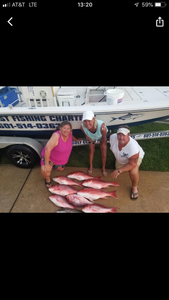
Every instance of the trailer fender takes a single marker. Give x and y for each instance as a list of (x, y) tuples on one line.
[(6, 141)]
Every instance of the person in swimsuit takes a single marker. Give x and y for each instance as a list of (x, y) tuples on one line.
[(57, 151), (95, 130)]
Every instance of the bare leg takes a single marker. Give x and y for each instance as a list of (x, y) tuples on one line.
[(91, 155), (134, 176), (103, 148), (46, 174)]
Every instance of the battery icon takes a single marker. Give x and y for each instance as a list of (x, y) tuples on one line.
[(160, 4)]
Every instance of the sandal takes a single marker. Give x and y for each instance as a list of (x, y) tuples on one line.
[(133, 196), (89, 172), (104, 174), (49, 184)]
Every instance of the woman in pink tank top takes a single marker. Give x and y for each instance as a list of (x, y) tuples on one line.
[(57, 151)]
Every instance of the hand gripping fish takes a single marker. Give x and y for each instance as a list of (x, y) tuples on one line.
[(81, 176), (98, 184), (94, 194), (62, 190), (65, 180), (96, 208)]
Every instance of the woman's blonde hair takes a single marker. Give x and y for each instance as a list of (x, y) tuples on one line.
[(95, 123)]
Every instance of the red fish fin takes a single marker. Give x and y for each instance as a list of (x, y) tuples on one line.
[(80, 184), (115, 183), (76, 207), (113, 194), (113, 209)]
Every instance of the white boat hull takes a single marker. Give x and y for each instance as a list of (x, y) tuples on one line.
[(42, 121), (44, 125)]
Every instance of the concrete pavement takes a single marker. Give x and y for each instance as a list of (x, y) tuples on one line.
[(23, 190)]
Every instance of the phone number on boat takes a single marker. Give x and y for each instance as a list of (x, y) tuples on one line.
[(29, 125), (36, 122)]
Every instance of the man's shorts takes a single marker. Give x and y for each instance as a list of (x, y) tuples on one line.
[(119, 165)]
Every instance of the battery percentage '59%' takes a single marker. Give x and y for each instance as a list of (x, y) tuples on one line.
[(147, 4)]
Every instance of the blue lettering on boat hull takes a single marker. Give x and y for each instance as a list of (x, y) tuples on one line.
[(36, 122)]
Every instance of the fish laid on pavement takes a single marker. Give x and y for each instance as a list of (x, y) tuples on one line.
[(68, 211), (77, 200), (62, 190), (81, 176), (98, 184), (94, 194), (60, 201), (96, 208), (65, 180)]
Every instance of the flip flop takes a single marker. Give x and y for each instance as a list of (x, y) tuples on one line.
[(104, 174), (133, 196), (89, 172), (48, 183)]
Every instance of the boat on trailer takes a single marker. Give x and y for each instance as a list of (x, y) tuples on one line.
[(38, 111)]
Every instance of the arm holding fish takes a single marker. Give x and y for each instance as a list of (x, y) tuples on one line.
[(53, 142), (132, 163)]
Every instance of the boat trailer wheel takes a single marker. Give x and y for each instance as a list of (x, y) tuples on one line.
[(22, 156)]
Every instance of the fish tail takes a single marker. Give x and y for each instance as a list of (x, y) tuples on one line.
[(113, 194)]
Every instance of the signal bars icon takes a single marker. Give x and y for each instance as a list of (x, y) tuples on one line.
[(6, 4)]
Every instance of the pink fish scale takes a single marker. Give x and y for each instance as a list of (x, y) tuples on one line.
[(94, 194), (81, 176), (62, 190), (60, 201), (98, 184), (65, 180), (96, 208), (77, 200)]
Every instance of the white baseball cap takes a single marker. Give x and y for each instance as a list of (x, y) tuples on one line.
[(88, 115), (125, 131)]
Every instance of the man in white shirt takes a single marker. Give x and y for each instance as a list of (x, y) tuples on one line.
[(128, 155)]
